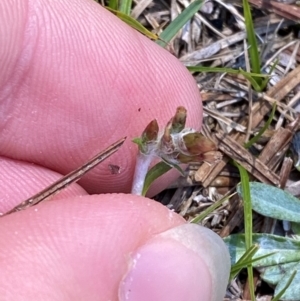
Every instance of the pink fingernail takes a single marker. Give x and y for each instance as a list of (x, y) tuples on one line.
[(167, 269)]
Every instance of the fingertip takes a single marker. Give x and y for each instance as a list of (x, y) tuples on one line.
[(110, 81), (85, 240), (187, 262)]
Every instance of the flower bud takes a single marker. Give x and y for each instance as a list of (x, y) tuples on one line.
[(196, 143), (178, 121), (166, 143), (148, 137), (151, 132), (209, 157)]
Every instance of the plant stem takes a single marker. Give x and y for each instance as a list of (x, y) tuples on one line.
[(141, 168)]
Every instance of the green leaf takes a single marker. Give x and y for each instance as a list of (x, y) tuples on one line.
[(278, 256), (199, 218), (273, 202), (176, 166), (247, 204), (251, 38), (252, 80), (263, 129), (133, 23), (212, 69), (247, 222), (225, 70), (244, 261), (138, 141), (172, 29), (125, 6), (113, 4), (266, 80), (251, 77), (156, 171), (286, 249)]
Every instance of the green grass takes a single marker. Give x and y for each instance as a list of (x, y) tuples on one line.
[(247, 222)]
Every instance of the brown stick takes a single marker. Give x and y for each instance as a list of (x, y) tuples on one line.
[(68, 179)]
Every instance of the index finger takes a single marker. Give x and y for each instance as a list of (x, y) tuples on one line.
[(76, 79)]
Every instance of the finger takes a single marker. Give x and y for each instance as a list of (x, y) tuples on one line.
[(102, 247), (75, 80), (20, 181)]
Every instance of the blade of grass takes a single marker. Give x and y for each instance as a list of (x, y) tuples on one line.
[(251, 77), (252, 80), (210, 209), (247, 204), (266, 80), (247, 261), (172, 29), (262, 130), (134, 24), (251, 38), (221, 69), (125, 6), (247, 221), (280, 294), (243, 262), (113, 4)]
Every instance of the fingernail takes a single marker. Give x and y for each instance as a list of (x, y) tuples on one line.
[(188, 262)]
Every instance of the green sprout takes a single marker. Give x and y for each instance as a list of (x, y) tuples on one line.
[(174, 145)]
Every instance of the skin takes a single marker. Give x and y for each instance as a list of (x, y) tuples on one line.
[(74, 79)]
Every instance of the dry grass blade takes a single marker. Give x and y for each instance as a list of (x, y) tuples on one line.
[(285, 10), (274, 151), (68, 179), (259, 110), (237, 152)]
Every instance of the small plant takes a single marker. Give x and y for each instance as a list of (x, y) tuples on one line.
[(174, 145)]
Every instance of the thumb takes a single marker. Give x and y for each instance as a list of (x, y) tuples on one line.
[(109, 247)]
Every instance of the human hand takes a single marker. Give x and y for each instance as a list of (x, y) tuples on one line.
[(73, 80)]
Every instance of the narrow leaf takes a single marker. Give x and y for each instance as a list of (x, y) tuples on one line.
[(133, 23), (263, 129), (172, 29), (288, 287), (247, 204), (251, 38), (244, 261), (251, 77), (113, 4), (247, 222), (125, 6), (252, 80), (156, 171), (266, 80), (225, 70), (210, 209)]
